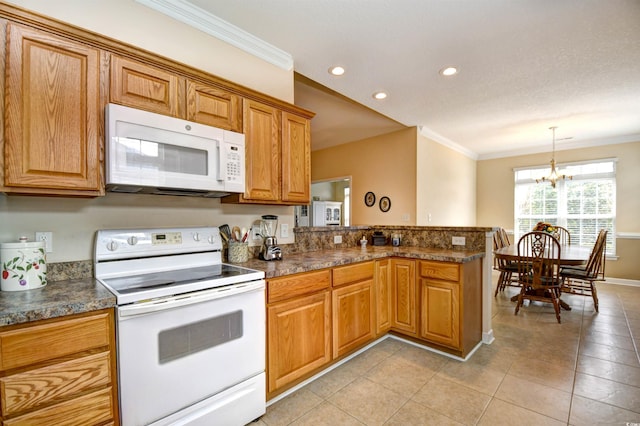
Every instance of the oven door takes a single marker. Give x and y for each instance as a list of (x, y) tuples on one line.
[(178, 352)]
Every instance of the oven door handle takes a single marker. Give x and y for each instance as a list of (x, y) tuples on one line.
[(166, 303)]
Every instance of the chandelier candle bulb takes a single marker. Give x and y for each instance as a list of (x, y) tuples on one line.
[(553, 176)]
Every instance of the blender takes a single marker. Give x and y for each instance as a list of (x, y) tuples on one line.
[(269, 249)]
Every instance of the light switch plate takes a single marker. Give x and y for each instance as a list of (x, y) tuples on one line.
[(284, 230), (337, 239)]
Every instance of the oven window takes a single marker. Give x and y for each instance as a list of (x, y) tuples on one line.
[(188, 339)]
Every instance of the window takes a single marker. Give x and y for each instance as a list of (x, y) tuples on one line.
[(584, 205)]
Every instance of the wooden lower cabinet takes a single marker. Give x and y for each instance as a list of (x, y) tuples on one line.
[(403, 296), (316, 318), (298, 328), (353, 307), (60, 371), (353, 320), (382, 289), (451, 304)]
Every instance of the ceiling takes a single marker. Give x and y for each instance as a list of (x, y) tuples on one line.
[(524, 66)]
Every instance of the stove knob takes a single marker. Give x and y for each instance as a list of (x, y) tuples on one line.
[(211, 239), (112, 245), (132, 240), (196, 236)]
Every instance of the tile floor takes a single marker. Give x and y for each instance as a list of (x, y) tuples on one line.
[(584, 371)]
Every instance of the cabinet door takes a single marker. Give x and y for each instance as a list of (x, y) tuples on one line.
[(440, 312), (383, 296), (262, 146), (403, 277), (296, 159), (143, 86), (353, 324), (53, 137), (298, 338), (214, 107)]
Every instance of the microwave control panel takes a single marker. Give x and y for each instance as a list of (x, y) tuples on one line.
[(232, 162)]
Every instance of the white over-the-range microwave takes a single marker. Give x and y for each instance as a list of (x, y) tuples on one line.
[(157, 154)]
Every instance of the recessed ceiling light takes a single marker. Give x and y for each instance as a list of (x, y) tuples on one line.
[(379, 95), (448, 71), (338, 70)]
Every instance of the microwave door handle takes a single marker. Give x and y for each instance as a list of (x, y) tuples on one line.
[(222, 169)]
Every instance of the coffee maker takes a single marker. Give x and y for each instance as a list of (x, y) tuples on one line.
[(269, 249)]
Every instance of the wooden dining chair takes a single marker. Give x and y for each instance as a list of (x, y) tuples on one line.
[(508, 269), (581, 280), (538, 270), (564, 236)]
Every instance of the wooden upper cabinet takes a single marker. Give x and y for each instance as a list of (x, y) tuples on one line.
[(296, 159), (262, 147), (278, 156), (53, 117), (138, 85), (214, 107)]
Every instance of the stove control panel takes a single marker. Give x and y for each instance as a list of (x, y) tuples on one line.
[(167, 238), (114, 244)]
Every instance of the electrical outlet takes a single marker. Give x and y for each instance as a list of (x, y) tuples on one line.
[(284, 230), (255, 233), (458, 241), (47, 237), (337, 239), (405, 217)]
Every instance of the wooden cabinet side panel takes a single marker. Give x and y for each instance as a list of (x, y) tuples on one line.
[(404, 296), (440, 312), (296, 159), (471, 305), (138, 85), (262, 145), (353, 321), (30, 389), (214, 107), (53, 113), (92, 409), (298, 338), (32, 344), (383, 296)]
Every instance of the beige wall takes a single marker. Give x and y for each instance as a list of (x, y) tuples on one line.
[(446, 186), (384, 165), (74, 221), (495, 189)]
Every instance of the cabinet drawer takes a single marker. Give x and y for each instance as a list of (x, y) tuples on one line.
[(28, 390), (297, 285), (92, 409), (440, 270), (31, 344), (352, 273)]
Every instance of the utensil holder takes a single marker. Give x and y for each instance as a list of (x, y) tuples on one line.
[(238, 252)]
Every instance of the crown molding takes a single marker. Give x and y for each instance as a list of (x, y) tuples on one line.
[(436, 137), (202, 20)]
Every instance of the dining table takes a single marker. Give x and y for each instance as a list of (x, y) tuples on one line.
[(570, 255)]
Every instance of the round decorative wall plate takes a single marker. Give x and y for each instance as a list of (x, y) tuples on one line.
[(385, 204), (369, 199)]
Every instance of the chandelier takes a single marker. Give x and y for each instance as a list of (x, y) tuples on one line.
[(553, 176)]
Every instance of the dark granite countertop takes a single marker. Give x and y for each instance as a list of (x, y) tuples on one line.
[(56, 299), (314, 260), (75, 296)]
